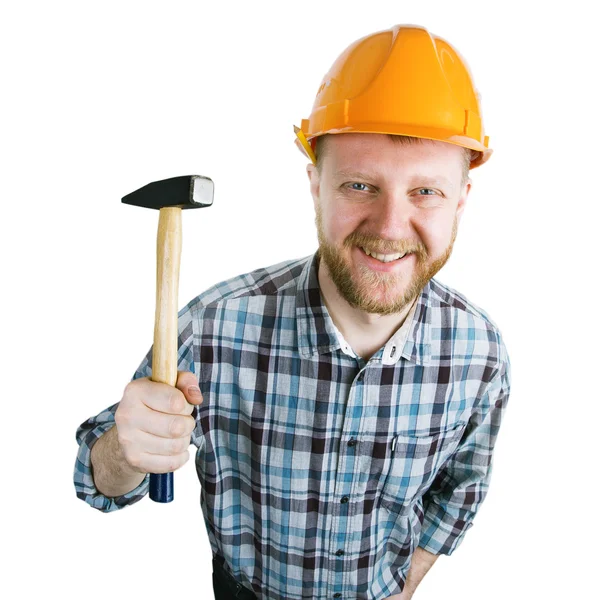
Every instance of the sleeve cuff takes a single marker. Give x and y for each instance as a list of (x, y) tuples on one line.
[(84, 481), (444, 528)]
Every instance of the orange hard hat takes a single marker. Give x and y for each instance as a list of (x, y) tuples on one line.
[(403, 81)]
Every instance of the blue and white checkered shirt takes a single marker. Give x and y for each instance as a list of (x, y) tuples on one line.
[(321, 472)]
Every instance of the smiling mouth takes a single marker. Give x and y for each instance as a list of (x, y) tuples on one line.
[(384, 258)]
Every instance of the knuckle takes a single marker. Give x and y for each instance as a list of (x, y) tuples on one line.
[(180, 460), (122, 415), (187, 408), (123, 439), (134, 459), (191, 425), (124, 435), (177, 427), (127, 390), (185, 378), (131, 389), (177, 446), (176, 402)]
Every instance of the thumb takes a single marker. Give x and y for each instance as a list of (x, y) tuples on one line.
[(188, 384)]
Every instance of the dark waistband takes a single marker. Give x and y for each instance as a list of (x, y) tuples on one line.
[(236, 589)]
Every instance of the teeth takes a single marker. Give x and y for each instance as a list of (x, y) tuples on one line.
[(385, 258)]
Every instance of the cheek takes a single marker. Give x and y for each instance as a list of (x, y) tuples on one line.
[(435, 235), (339, 223)]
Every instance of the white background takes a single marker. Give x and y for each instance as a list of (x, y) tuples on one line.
[(101, 98)]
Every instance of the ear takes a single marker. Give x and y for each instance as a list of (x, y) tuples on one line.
[(315, 182), (462, 201)]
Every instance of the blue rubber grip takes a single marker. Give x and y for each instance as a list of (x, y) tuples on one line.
[(161, 487)]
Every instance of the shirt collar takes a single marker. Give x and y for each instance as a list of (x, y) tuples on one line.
[(317, 333)]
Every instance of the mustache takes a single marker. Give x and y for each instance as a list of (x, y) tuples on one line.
[(375, 244)]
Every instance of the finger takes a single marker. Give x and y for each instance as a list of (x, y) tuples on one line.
[(187, 383), (152, 444), (165, 426), (163, 398), (152, 463)]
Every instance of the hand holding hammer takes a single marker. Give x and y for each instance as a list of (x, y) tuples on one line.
[(169, 196)]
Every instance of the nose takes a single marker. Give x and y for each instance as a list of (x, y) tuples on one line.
[(391, 217)]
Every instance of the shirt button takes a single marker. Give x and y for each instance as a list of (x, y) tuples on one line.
[(337, 595), (352, 443), (345, 499), (339, 553)]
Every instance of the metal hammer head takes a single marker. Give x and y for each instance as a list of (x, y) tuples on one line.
[(188, 191)]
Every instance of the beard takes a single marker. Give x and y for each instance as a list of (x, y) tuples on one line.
[(372, 291)]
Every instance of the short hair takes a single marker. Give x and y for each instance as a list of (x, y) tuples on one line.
[(468, 154)]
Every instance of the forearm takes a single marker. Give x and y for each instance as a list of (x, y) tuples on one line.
[(113, 476), (421, 562)]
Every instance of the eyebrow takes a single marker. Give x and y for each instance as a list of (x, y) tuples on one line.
[(355, 174), (422, 180)]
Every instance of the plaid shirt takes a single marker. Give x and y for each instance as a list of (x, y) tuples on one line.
[(321, 472)]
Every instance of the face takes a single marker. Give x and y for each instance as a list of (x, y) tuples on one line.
[(387, 216)]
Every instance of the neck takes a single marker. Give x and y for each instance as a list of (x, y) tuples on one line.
[(365, 332)]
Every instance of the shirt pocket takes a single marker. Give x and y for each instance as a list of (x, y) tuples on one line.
[(413, 464)]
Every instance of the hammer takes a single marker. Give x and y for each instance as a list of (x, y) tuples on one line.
[(169, 196)]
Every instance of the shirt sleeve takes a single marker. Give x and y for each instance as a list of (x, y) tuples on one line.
[(461, 485), (90, 431)]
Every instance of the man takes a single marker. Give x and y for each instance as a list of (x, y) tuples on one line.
[(344, 406)]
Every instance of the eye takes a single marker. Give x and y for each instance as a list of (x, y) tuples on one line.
[(422, 190), (355, 186)]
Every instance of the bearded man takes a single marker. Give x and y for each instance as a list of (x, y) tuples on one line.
[(344, 406)]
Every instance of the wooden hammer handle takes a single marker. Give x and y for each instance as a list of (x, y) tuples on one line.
[(164, 351)]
